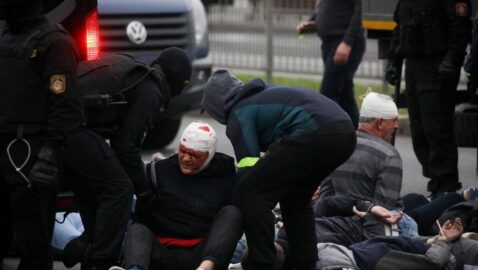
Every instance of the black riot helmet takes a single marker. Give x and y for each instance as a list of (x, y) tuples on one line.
[(21, 13), (176, 66)]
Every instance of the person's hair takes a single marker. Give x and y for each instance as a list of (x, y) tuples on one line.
[(366, 120)]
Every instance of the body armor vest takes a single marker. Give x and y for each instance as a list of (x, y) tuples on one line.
[(102, 86), (423, 28), (23, 93)]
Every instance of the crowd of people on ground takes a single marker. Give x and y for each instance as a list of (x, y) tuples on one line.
[(315, 183)]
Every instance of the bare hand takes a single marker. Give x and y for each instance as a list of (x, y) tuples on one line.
[(452, 231), (342, 54), (306, 27), (315, 196), (381, 213)]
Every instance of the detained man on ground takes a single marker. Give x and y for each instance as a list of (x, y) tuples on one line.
[(192, 224)]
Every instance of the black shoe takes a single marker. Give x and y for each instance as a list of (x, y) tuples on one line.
[(75, 250)]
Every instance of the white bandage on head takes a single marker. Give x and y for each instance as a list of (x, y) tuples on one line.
[(200, 136), (378, 106)]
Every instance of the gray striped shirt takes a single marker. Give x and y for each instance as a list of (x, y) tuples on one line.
[(373, 173)]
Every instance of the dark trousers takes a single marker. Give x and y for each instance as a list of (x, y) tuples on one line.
[(425, 213), (338, 81), (29, 211), (431, 107), (143, 250), (105, 194), (289, 173)]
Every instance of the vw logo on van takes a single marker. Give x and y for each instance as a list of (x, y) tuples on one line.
[(136, 32)]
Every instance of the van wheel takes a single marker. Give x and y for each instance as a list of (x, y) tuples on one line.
[(163, 135)]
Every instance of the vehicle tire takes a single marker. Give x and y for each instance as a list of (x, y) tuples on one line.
[(164, 133)]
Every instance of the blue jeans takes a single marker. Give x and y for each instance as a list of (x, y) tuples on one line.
[(338, 81), (71, 228)]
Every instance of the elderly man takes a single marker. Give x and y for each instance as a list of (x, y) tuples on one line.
[(192, 225), (374, 171), (304, 135)]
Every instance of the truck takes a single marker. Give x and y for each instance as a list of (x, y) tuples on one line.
[(377, 20)]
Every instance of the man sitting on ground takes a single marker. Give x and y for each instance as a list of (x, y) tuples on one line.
[(192, 225)]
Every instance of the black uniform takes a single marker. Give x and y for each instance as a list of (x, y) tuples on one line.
[(432, 36), (122, 96), (40, 106)]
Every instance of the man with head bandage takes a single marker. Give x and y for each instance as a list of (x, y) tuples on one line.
[(192, 225)]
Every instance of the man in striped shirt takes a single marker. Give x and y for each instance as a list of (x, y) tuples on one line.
[(372, 176), (374, 171)]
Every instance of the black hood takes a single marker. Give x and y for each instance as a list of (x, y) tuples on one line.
[(20, 15)]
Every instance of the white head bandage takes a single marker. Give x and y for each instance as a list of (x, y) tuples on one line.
[(378, 106), (200, 136)]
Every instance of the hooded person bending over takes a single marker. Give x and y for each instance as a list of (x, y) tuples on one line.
[(192, 225), (304, 135)]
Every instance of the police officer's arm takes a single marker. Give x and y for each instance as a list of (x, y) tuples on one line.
[(56, 57), (59, 72), (127, 145), (458, 14)]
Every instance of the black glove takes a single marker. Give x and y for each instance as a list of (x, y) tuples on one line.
[(391, 73), (45, 170), (147, 202), (448, 65)]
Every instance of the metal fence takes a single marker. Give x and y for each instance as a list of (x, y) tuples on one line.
[(238, 39)]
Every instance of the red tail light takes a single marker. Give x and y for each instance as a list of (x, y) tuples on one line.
[(92, 36)]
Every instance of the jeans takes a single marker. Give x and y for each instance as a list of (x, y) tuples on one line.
[(64, 232), (338, 81)]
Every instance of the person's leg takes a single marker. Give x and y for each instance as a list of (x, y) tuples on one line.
[(33, 208), (6, 226), (412, 201), (437, 110), (138, 247), (427, 214), (419, 142), (288, 163), (239, 250), (225, 232), (347, 97), (433, 136), (108, 204)]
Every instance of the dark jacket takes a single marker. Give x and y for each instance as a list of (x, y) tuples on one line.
[(138, 93), (188, 204), (390, 253), (28, 61), (259, 115)]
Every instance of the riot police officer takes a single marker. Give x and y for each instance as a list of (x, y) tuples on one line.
[(39, 107), (121, 96), (432, 36)]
